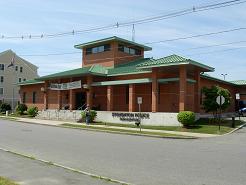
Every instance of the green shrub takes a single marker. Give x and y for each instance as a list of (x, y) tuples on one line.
[(187, 118), (32, 111), (5, 107), (21, 108), (93, 115)]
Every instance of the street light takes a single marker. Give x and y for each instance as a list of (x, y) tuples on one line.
[(224, 75)]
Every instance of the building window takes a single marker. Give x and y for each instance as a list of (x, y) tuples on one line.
[(1, 79), (34, 97), (98, 49), (16, 68), (131, 51), (24, 97), (1, 91), (24, 79), (21, 69), (19, 80), (2, 67)]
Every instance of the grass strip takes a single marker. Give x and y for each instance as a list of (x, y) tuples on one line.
[(202, 126), (124, 131), (8, 118), (6, 181)]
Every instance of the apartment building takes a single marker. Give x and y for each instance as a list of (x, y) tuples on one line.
[(13, 70)]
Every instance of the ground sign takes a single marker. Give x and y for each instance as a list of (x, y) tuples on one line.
[(220, 100)]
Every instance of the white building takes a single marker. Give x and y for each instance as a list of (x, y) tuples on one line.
[(21, 70)]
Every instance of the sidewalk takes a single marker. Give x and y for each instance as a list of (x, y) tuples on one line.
[(26, 171), (60, 123)]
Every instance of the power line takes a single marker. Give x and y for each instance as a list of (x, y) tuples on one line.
[(210, 52), (195, 36), (170, 40), (193, 9), (216, 45)]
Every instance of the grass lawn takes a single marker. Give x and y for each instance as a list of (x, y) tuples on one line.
[(137, 132), (5, 181), (201, 126)]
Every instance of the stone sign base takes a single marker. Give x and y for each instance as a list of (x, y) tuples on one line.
[(147, 118)]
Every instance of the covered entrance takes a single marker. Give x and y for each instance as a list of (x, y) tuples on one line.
[(80, 100)]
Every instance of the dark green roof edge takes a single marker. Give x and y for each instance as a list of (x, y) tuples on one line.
[(239, 82), (219, 80), (172, 60), (31, 82), (114, 38), (201, 65), (94, 69)]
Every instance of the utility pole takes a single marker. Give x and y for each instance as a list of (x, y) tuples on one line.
[(133, 33)]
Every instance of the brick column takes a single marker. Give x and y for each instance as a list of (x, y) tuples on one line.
[(155, 90), (89, 92), (197, 89), (59, 106), (59, 98), (132, 98), (182, 87), (45, 95), (71, 100), (110, 103)]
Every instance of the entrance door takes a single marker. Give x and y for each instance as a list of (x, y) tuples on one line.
[(80, 100)]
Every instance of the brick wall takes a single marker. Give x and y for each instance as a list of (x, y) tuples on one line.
[(29, 89)]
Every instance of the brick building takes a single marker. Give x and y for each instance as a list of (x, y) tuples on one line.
[(114, 73)]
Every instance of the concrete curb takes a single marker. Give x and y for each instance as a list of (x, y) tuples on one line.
[(236, 129), (107, 131), (68, 168), (128, 133)]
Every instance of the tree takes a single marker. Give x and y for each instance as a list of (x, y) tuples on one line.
[(209, 101)]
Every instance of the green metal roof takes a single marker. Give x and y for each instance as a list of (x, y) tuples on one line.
[(173, 60), (31, 82), (129, 68), (239, 82), (114, 38), (95, 69)]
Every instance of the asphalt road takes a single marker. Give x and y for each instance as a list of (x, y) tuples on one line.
[(134, 159)]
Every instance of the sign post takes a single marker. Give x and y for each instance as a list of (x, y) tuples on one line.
[(238, 98), (220, 101), (140, 101)]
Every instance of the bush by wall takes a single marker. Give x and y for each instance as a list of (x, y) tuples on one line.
[(93, 115), (21, 108), (186, 118), (32, 111), (5, 107)]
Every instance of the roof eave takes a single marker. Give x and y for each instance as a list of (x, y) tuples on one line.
[(81, 46), (22, 84), (207, 68)]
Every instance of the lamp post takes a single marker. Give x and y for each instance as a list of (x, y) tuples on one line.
[(224, 75)]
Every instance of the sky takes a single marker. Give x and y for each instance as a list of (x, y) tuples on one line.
[(29, 17)]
